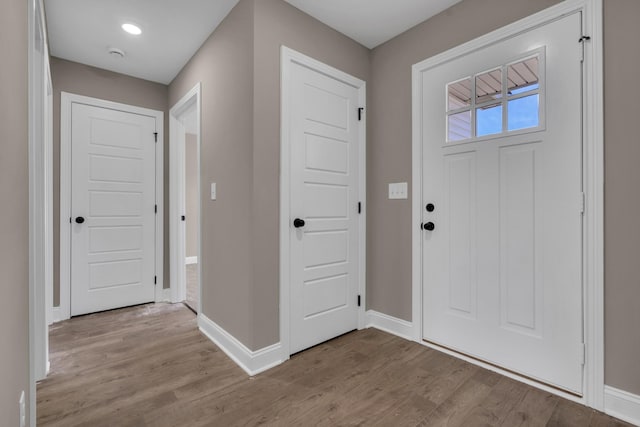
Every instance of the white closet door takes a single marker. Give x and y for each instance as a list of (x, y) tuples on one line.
[(113, 208)]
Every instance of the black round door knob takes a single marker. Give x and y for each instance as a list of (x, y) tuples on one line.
[(79, 219), (431, 207), (298, 223), (429, 226)]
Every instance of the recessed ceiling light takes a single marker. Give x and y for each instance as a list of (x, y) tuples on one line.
[(132, 29)]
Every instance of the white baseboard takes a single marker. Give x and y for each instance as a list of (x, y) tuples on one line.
[(252, 362), (57, 315), (165, 295), (191, 260), (390, 324), (622, 405)]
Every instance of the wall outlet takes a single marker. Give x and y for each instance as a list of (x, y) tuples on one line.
[(23, 410), (398, 190), (214, 191)]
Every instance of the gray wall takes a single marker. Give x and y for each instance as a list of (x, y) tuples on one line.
[(622, 194), (277, 23), (84, 80), (191, 196), (224, 66), (14, 227), (239, 67)]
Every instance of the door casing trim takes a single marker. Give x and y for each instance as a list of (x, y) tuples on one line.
[(288, 57), (40, 239), (593, 182), (177, 231), (66, 101)]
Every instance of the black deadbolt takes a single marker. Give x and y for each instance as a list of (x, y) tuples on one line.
[(429, 226), (79, 220), (431, 207), (297, 223)]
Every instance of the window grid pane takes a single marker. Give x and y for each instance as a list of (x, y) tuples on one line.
[(459, 126), (489, 86), (523, 76), (479, 103), (523, 112), (489, 120), (459, 94)]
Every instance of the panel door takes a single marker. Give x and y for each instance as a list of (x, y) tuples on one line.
[(113, 208), (502, 266), (324, 194)]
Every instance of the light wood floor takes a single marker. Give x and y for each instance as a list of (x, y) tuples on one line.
[(150, 366)]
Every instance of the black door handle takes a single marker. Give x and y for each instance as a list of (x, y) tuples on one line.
[(429, 226), (298, 223), (79, 219)]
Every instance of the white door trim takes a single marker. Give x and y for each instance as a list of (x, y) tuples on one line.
[(177, 269), (49, 193), (66, 101), (40, 163), (593, 393), (289, 57)]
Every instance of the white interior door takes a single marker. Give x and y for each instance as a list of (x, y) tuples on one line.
[(113, 207), (502, 170), (325, 135)]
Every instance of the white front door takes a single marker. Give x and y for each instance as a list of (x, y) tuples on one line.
[(502, 204), (324, 235), (113, 207)]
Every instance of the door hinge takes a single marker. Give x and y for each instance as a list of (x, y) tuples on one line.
[(359, 301), (155, 209), (155, 135), (583, 353), (359, 207), (155, 280), (583, 203), (360, 110), (582, 40)]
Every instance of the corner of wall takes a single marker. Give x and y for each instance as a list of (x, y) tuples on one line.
[(14, 229)]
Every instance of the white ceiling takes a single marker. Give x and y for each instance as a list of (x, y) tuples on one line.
[(372, 22), (172, 31)]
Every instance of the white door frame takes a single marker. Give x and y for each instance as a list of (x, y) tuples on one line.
[(177, 231), (593, 181), (67, 99), (49, 226), (40, 201), (288, 58)]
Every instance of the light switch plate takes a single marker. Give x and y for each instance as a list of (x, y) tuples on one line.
[(398, 190), (214, 191)]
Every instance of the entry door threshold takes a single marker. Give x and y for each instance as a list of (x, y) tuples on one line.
[(551, 388)]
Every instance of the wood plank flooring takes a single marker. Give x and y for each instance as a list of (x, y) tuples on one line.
[(150, 366)]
